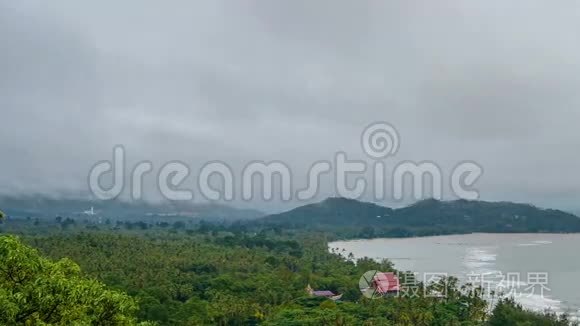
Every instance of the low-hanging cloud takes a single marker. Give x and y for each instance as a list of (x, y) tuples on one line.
[(491, 81)]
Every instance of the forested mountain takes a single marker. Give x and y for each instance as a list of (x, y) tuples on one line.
[(41, 206), (487, 216), (335, 211), (428, 215)]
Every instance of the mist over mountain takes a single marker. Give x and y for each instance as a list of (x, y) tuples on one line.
[(42, 206)]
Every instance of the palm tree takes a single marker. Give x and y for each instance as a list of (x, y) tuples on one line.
[(2, 215)]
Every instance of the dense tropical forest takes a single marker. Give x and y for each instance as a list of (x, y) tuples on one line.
[(64, 271)]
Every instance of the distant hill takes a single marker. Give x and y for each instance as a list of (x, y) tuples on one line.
[(427, 217), (335, 211), (41, 206)]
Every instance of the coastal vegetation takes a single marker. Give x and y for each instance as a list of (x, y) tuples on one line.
[(67, 270), (211, 275)]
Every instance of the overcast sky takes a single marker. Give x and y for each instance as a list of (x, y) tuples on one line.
[(495, 81)]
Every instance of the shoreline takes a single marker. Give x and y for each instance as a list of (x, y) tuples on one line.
[(477, 254)]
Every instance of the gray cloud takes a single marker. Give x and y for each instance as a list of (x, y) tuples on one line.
[(489, 81)]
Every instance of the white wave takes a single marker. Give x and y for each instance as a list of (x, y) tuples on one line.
[(479, 260), (542, 242), (535, 243), (540, 303)]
